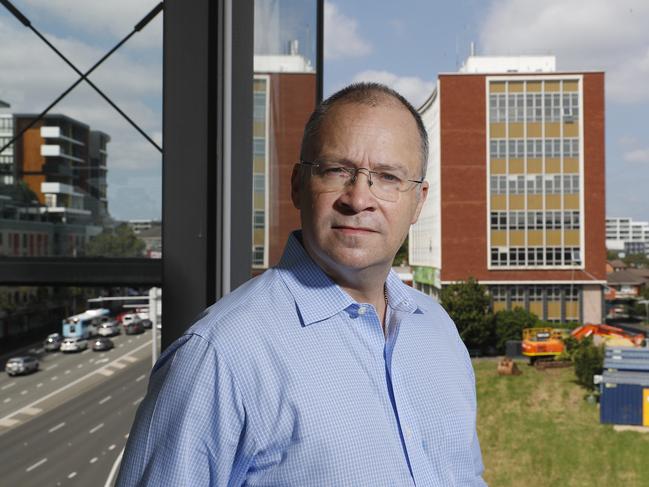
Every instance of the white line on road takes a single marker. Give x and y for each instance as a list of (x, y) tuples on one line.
[(130, 358), (93, 459), (106, 372), (53, 366), (121, 345), (37, 464), (72, 475), (113, 470), (57, 427), (31, 411), (55, 377), (97, 428), (23, 392), (67, 371), (8, 422), (7, 400), (111, 447), (7, 386), (118, 365), (106, 399), (143, 376), (135, 403), (40, 384), (79, 366)]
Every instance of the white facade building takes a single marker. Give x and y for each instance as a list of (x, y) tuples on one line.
[(621, 231)]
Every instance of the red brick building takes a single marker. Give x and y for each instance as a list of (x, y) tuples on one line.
[(518, 150), (284, 97)]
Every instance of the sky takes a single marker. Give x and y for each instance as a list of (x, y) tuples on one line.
[(403, 44)]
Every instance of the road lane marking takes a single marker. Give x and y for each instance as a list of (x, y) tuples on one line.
[(4, 388), (79, 366), (37, 464), (7, 400), (118, 365), (111, 447), (102, 361), (130, 358), (7, 418), (93, 459), (72, 475), (40, 384), (31, 411), (130, 340), (97, 428), (138, 401), (143, 376), (111, 476), (53, 366), (57, 427), (106, 399), (67, 371), (23, 392), (121, 345), (106, 372), (55, 377)]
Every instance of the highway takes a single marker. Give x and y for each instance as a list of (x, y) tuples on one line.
[(69, 431)]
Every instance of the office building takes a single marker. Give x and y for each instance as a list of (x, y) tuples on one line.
[(6, 134), (517, 194), (626, 235)]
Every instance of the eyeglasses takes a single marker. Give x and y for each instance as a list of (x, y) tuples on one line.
[(330, 176)]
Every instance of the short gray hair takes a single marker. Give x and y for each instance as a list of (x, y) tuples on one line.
[(365, 93)]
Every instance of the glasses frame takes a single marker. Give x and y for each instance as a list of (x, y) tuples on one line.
[(353, 172)]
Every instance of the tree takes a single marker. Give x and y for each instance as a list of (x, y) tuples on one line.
[(509, 325), (120, 242), (589, 360), (467, 303), (636, 260), (402, 254), (612, 255)]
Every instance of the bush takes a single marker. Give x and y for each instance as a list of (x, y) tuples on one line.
[(588, 360), (467, 303), (509, 325)]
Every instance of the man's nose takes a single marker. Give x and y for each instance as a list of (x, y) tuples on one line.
[(357, 195)]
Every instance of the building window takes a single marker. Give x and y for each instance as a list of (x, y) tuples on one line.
[(258, 255), (258, 183), (259, 217), (259, 146), (499, 220)]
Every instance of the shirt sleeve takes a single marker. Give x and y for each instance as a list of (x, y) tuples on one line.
[(192, 428)]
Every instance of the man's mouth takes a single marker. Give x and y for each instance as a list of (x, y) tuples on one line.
[(351, 230)]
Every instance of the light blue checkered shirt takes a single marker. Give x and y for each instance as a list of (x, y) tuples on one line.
[(287, 381)]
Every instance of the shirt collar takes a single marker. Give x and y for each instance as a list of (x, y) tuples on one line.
[(316, 295)]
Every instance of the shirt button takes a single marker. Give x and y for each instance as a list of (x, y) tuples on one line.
[(361, 310)]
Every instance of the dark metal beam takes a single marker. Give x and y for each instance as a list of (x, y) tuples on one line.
[(69, 271)]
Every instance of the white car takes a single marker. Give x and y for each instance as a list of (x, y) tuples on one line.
[(108, 329), (74, 345)]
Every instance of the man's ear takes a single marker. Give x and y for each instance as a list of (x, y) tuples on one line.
[(421, 199), (296, 186)]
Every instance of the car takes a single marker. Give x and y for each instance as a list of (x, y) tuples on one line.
[(52, 342), (108, 328), (147, 323), (129, 318), (134, 327), (21, 365), (74, 344), (102, 344)]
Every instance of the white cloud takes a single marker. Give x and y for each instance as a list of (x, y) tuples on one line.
[(637, 155), (593, 35), (32, 76), (115, 18), (341, 37), (415, 90)]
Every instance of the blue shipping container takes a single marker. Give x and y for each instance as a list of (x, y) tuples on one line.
[(621, 400)]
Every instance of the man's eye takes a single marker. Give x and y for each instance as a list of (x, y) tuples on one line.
[(388, 178), (333, 170)]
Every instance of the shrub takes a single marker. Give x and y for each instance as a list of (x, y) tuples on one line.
[(509, 325), (588, 360)]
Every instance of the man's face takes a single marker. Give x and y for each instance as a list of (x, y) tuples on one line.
[(351, 229)]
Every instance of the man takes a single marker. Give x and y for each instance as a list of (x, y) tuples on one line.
[(325, 370)]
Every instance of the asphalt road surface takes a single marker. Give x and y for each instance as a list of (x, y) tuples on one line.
[(70, 431)]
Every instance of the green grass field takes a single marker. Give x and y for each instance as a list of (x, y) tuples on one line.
[(537, 430)]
